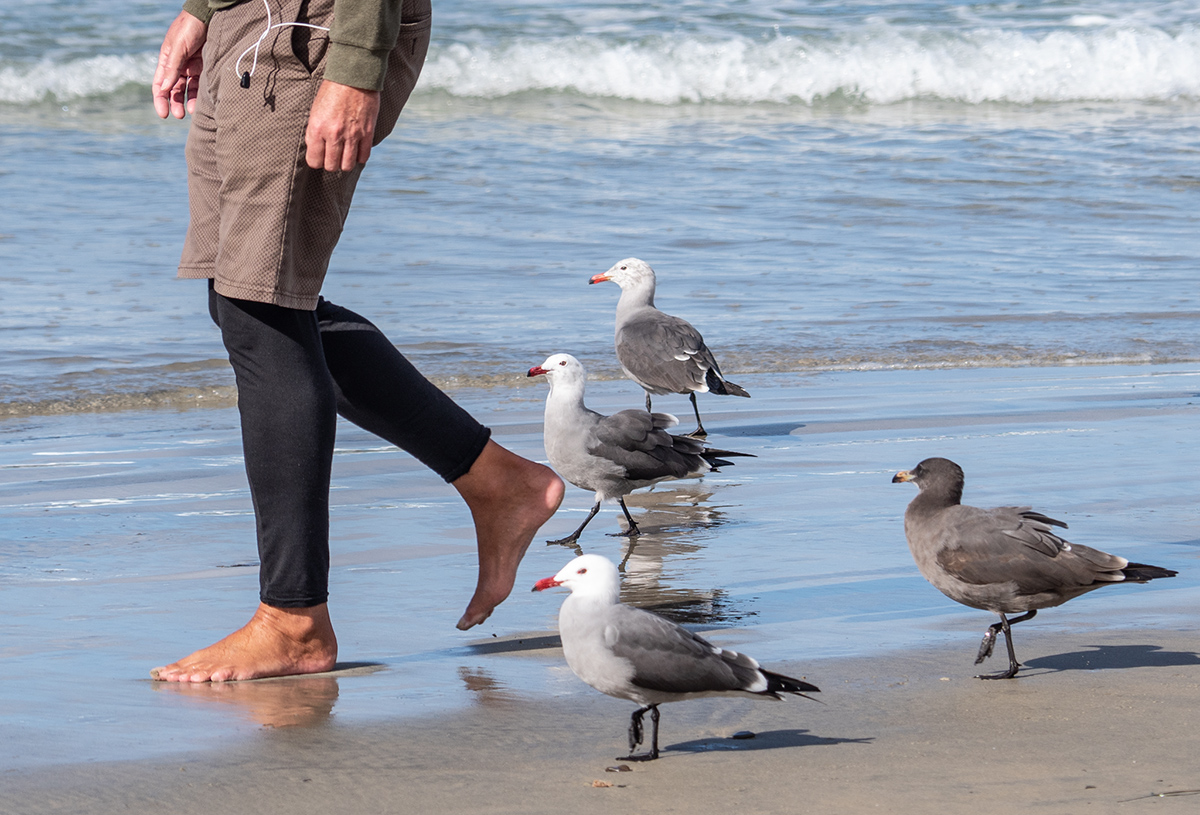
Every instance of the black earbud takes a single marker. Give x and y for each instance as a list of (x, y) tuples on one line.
[(245, 79)]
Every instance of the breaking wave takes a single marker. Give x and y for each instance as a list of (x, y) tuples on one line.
[(876, 64), (880, 65)]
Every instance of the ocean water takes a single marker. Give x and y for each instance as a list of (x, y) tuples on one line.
[(818, 185), (908, 228)]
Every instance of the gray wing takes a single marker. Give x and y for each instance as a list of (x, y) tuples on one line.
[(664, 351), (638, 442), (988, 546), (671, 659)]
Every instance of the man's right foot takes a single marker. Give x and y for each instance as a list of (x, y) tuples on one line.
[(276, 642)]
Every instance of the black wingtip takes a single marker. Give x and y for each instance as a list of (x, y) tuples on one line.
[(724, 387), (778, 683), (1141, 572)]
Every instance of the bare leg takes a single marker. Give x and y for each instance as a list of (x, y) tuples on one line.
[(510, 498), (276, 642)]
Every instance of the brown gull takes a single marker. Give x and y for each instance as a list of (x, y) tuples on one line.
[(1004, 560)]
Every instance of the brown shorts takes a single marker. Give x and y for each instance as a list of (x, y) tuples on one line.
[(263, 223)]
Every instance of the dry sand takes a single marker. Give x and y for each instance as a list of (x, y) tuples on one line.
[(1100, 721)]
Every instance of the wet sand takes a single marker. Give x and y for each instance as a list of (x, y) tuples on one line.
[(1099, 722), (131, 543)]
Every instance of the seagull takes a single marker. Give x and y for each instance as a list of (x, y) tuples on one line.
[(633, 654), (613, 455), (1005, 560), (663, 354)]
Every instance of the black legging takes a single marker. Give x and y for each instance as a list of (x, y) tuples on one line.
[(295, 371)]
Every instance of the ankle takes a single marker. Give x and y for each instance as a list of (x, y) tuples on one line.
[(495, 474), (311, 624)]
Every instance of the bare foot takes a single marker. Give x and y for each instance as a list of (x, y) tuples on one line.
[(510, 498), (276, 642)]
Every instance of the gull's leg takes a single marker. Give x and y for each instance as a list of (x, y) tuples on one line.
[(636, 733), (1004, 625), (569, 540), (699, 432), (633, 527)]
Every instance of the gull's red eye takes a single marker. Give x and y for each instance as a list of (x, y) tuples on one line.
[(562, 362), (581, 571)]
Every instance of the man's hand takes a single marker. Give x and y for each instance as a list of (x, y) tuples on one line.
[(179, 65), (341, 126)]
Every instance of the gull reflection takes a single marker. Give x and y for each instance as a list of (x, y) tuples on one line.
[(485, 688), (676, 521)]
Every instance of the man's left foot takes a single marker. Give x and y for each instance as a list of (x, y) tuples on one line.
[(510, 498)]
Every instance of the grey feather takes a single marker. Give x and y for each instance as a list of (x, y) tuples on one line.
[(661, 352)]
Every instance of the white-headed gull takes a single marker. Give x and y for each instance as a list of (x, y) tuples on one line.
[(613, 455), (663, 354), (636, 655), (1004, 560)]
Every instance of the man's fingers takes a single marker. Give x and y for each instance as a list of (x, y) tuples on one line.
[(334, 154), (364, 148), (352, 154), (314, 151), (341, 125), (179, 62)]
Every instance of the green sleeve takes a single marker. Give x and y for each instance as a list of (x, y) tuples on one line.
[(364, 33), (199, 9)]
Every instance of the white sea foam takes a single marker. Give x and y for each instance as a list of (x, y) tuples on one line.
[(880, 64), (78, 79)]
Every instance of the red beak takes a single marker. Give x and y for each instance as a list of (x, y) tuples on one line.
[(546, 583), (537, 370), (599, 278)]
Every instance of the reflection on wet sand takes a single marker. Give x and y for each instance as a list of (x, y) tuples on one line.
[(293, 701), (675, 521), (486, 689)]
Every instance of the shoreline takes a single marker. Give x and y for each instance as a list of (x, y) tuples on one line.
[(223, 394)]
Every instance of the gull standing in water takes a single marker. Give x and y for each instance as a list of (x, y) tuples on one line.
[(1004, 560), (663, 354), (613, 455), (636, 655)]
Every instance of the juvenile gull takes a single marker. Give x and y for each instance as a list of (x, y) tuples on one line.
[(1004, 560), (613, 455), (663, 354), (636, 655)]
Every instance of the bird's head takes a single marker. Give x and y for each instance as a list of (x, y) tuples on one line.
[(586, 575), (627, 272), (559, 368), (939, 476)]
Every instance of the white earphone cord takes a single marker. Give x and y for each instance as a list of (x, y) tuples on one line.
[(245, 77)]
